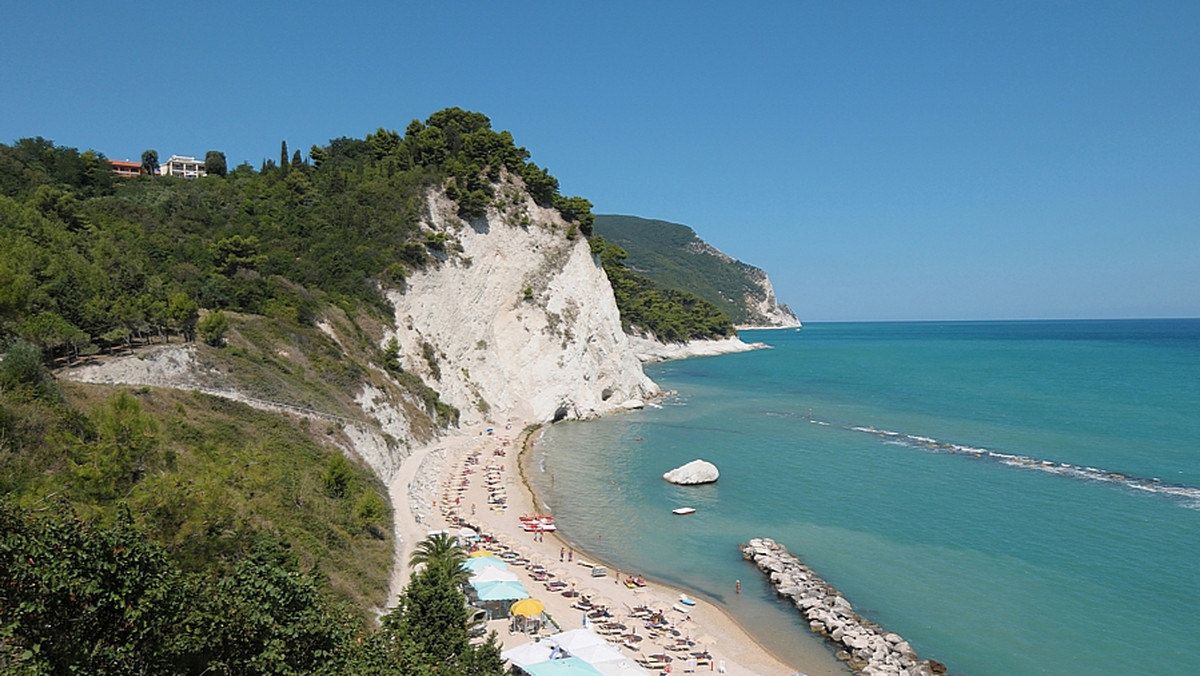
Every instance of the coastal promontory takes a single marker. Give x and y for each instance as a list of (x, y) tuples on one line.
[(242, 368)]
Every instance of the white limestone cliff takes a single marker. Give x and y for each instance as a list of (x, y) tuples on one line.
[(771, 313), (520, 324), (650, 350)]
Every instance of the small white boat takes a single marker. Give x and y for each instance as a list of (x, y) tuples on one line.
[(683, 510)]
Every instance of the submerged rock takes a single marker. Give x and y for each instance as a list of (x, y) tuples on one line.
[(695, 472)]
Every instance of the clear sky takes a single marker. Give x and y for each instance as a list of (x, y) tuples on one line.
[(880, 160)]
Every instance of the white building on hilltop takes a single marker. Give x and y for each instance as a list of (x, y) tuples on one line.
[(184, 167)]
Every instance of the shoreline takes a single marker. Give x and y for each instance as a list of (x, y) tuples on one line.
[(524, 457), (441, 486)]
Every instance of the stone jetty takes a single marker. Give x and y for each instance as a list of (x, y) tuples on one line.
[(863, 644)]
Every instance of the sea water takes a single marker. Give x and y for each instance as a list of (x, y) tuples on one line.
[(1011, 497)]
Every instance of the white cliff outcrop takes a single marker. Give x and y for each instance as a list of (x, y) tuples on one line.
[(649, 350), (770, 312), (519, 324)]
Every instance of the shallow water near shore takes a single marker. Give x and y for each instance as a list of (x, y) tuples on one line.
[(1011, 497)]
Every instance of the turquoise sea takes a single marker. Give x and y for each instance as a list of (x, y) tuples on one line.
[(1011, 497)]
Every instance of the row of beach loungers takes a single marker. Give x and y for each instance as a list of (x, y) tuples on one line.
[(646, 630)]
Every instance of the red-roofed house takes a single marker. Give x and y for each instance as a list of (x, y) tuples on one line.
[(125, 168)]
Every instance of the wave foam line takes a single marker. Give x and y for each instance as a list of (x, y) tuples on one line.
[(1082, 473)]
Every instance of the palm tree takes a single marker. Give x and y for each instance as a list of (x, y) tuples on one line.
[(441, 550)]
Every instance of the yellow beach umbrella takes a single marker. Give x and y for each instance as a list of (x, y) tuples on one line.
[(481, 552), (527, 607)]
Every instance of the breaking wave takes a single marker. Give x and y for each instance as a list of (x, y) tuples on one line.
[(1064, 469)]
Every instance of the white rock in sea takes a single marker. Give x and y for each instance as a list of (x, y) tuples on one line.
[(695, 472)]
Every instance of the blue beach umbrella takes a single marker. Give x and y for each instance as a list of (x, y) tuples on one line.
[(481, 562), (500, 591), (570, 666)]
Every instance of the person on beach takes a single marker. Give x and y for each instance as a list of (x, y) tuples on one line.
[(562, 552), (570, 555), (738, 586)]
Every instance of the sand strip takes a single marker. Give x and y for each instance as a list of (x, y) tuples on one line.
[(446, 485)]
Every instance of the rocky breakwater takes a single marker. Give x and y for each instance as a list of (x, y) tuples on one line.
[(866, 646)]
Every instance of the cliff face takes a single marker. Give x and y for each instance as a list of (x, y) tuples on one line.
[(517, 322), (520, 323), (764, 309)]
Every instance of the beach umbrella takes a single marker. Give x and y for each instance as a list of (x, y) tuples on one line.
[(500, 591), (588, 592), (570, 666), (482, 553), (527, 607), (493, 574), (484, 562), (466, 533)]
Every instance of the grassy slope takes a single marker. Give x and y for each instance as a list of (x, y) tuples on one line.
[(223, 475), (231, 474)]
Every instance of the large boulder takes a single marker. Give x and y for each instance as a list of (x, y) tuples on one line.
[(695, 472)]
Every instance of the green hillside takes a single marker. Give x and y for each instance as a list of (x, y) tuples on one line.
[(147, 530), (673, 257)]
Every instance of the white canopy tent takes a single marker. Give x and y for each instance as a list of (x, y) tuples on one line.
[(528, 654), (575, 639)]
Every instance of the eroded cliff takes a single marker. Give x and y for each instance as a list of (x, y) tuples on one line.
[(519, 321)]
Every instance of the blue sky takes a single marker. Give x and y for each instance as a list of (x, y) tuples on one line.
[(880, 160)]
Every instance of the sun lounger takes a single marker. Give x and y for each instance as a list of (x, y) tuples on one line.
[(655, 661)]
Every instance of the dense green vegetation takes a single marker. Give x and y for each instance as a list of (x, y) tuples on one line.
[(674, 257), (670, 315), (147, 530), (89, 262), (158, 531), (205, 477), (77, 597)]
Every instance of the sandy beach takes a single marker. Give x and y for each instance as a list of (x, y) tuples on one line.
[(446, 485)]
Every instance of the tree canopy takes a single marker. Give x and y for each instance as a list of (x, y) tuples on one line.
[(89, 262), (79, 597), (670, 315)]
